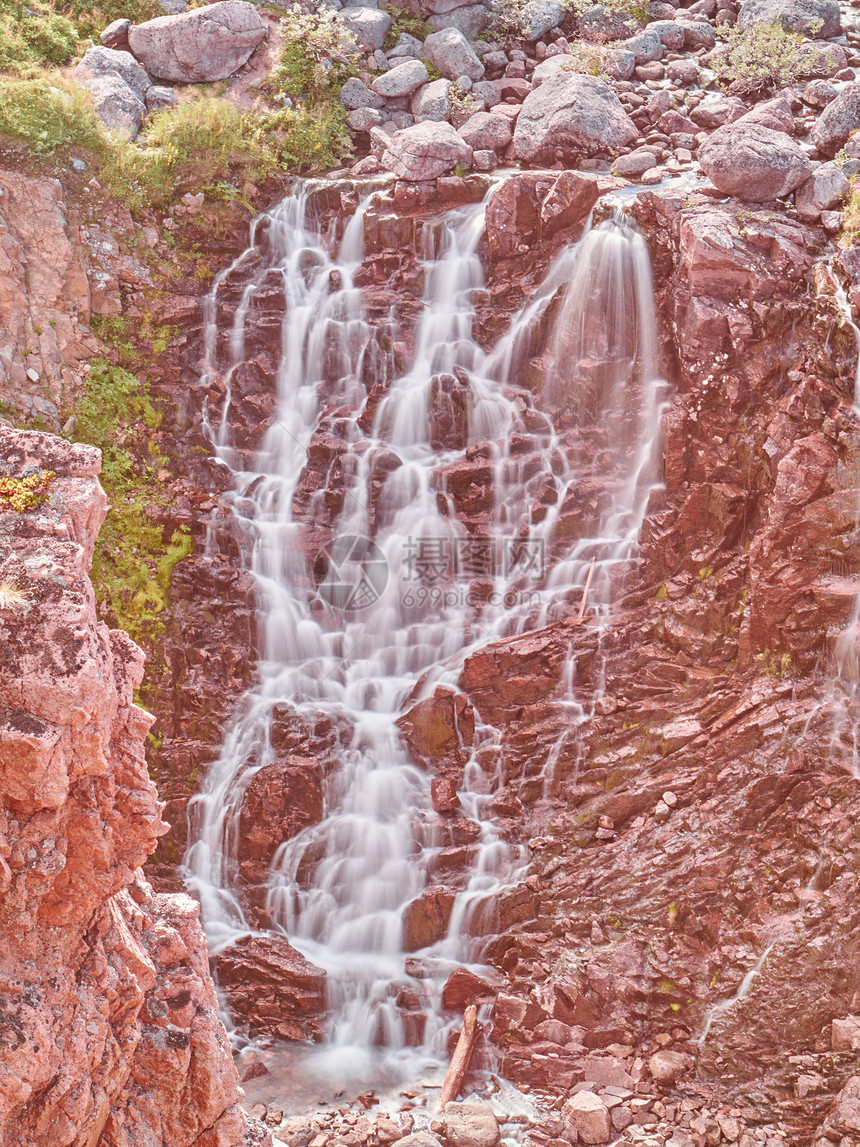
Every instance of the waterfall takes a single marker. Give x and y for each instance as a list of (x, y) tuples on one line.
[(385, 613)]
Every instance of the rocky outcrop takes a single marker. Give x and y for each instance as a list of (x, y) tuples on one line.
[(109, 1012), (200, 46), (753, 162)]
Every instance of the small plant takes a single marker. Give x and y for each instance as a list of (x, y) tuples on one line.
[(586, 59), (318, 56), (28, 493), (12, 597), (759, 58)]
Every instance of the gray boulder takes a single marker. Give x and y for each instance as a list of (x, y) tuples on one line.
[(571, 115), (842, 116), (795, 15), (452, 54), (753, 162), (354, 94), (487, 132), (699, 34), (98, 61), (825, 190), (158, 97), (200, 46), (368, 25), (363, 119), (603, 23), (401, 80), (671, 33), (425, 151), (539, 16), (118, 107), (646, 46), (432, 102), (471, 20), (115, 33), (406, 46), (716, 110)]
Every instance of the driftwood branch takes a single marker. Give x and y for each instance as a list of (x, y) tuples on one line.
[(460, 1059)]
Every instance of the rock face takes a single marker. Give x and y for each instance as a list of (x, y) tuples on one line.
[(571, 115), (425, 151), (753, 162), (106, 986), (200, 46), (272, 984), (816, 17)]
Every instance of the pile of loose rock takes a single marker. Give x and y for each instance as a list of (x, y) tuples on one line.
[(655, 111)]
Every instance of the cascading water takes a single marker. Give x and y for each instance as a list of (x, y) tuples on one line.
[(392, 616)]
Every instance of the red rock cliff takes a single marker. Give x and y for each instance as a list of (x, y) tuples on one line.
[(109, 1029)]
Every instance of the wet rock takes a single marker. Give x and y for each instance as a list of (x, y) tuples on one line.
[(471, 1125), (667, 1067), (272, 986), (199, 46), (425, 920), (463, 988), (354, 94), (571, 115), (401, 80), (487, 132), (839, 119), (569, 201), (432, 102), (513, 214), (420, 1139), (589, 1115), (370, 26), (438, 726), (425, 151), (282, 799), (825, 189), (451, 53), (634, 163), (443, 792), (814, 17), (753, 162)]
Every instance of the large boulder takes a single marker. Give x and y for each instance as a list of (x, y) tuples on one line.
[(200, 46), (452, 54), (98, 62), (425, 151), (753, 162), (471, 20), (842, 116), (369, 26), (571, 115), (273, 986), (538, 16), (471, 1125), (796, 15), (354, 94), (589, 1115)]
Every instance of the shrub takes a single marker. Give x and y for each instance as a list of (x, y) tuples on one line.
[(132, 563), (404, 20), (587, 59), (30, 40), (90, 18), (319, 55), (310, 141), (759, 57), (47, 116), (199, 144)]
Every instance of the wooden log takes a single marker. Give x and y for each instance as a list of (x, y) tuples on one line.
[(460, 1059), (585, 591)]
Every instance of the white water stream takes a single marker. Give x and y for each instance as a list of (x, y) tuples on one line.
[(369, 857)]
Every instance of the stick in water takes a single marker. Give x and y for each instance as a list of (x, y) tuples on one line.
[(585, 591), (460, 1059)]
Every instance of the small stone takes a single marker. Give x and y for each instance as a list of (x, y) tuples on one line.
[(471, 1125), (667, 1067), (662, 812), (671, 800)]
